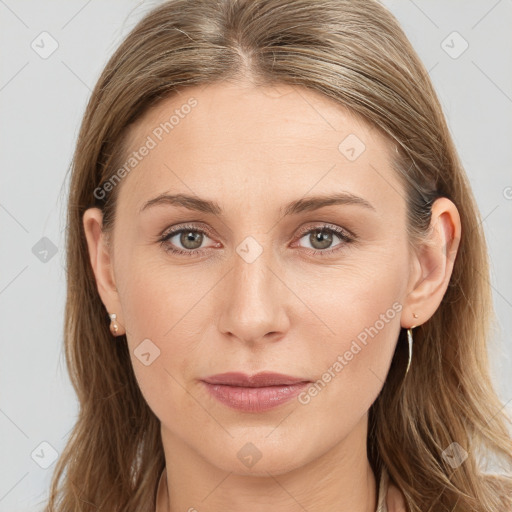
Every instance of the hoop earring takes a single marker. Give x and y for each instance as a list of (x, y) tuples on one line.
[(114, 327), (410, 342)]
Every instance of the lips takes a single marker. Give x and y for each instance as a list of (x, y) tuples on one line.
[(254, 393)]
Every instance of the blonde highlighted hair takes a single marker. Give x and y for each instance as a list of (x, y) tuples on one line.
[(354, 52)]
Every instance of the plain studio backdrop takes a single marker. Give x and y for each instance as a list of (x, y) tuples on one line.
[(53, 53)]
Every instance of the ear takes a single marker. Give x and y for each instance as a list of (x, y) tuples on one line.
[(432, 264), (101, 261)]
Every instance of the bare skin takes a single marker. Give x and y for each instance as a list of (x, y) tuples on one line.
[(253, 150)]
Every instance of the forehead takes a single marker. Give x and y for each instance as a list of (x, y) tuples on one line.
[(268, 141)]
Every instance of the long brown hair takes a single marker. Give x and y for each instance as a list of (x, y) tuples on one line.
[(354, 52)]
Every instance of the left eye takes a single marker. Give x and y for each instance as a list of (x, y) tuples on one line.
[(322, 238)]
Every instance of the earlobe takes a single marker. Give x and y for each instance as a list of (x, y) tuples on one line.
[(101, 262), (434, 262)]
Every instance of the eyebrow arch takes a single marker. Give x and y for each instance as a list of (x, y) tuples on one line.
[(302, 205)]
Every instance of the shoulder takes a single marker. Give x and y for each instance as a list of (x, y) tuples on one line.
[(395, 500)]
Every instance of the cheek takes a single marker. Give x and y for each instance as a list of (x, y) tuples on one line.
[(351, 367), (163, 315), (360, 308), (354, 295), (155, 294)]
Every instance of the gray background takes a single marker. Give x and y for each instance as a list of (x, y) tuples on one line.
[(42, 101)]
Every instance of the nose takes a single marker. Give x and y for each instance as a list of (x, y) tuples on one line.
[(255, 300)]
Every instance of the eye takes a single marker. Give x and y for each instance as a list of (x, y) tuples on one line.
[(321, 238), (189, 237)]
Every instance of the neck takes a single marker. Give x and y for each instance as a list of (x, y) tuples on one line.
[(340, 480)]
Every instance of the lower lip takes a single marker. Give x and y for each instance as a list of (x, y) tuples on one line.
[(255, 399)]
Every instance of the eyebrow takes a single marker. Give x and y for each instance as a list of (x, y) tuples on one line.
[(306, 204)]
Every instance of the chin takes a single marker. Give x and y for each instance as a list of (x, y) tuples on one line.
[(259, 456)]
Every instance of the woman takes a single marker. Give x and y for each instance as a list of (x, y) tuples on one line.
[(267, 219)]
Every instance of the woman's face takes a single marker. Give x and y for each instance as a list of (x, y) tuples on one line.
[(258, 285)]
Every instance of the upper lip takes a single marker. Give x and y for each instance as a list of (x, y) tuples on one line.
[(261, 379)]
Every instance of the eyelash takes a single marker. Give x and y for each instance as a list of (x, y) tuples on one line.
[(346, 239)]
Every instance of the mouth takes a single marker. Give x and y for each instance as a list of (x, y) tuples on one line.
[(254, 393)]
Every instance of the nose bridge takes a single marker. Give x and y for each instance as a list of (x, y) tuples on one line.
[(252, 277), (254, 303)]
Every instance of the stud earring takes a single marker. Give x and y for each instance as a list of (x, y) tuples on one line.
[(114, 327)]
